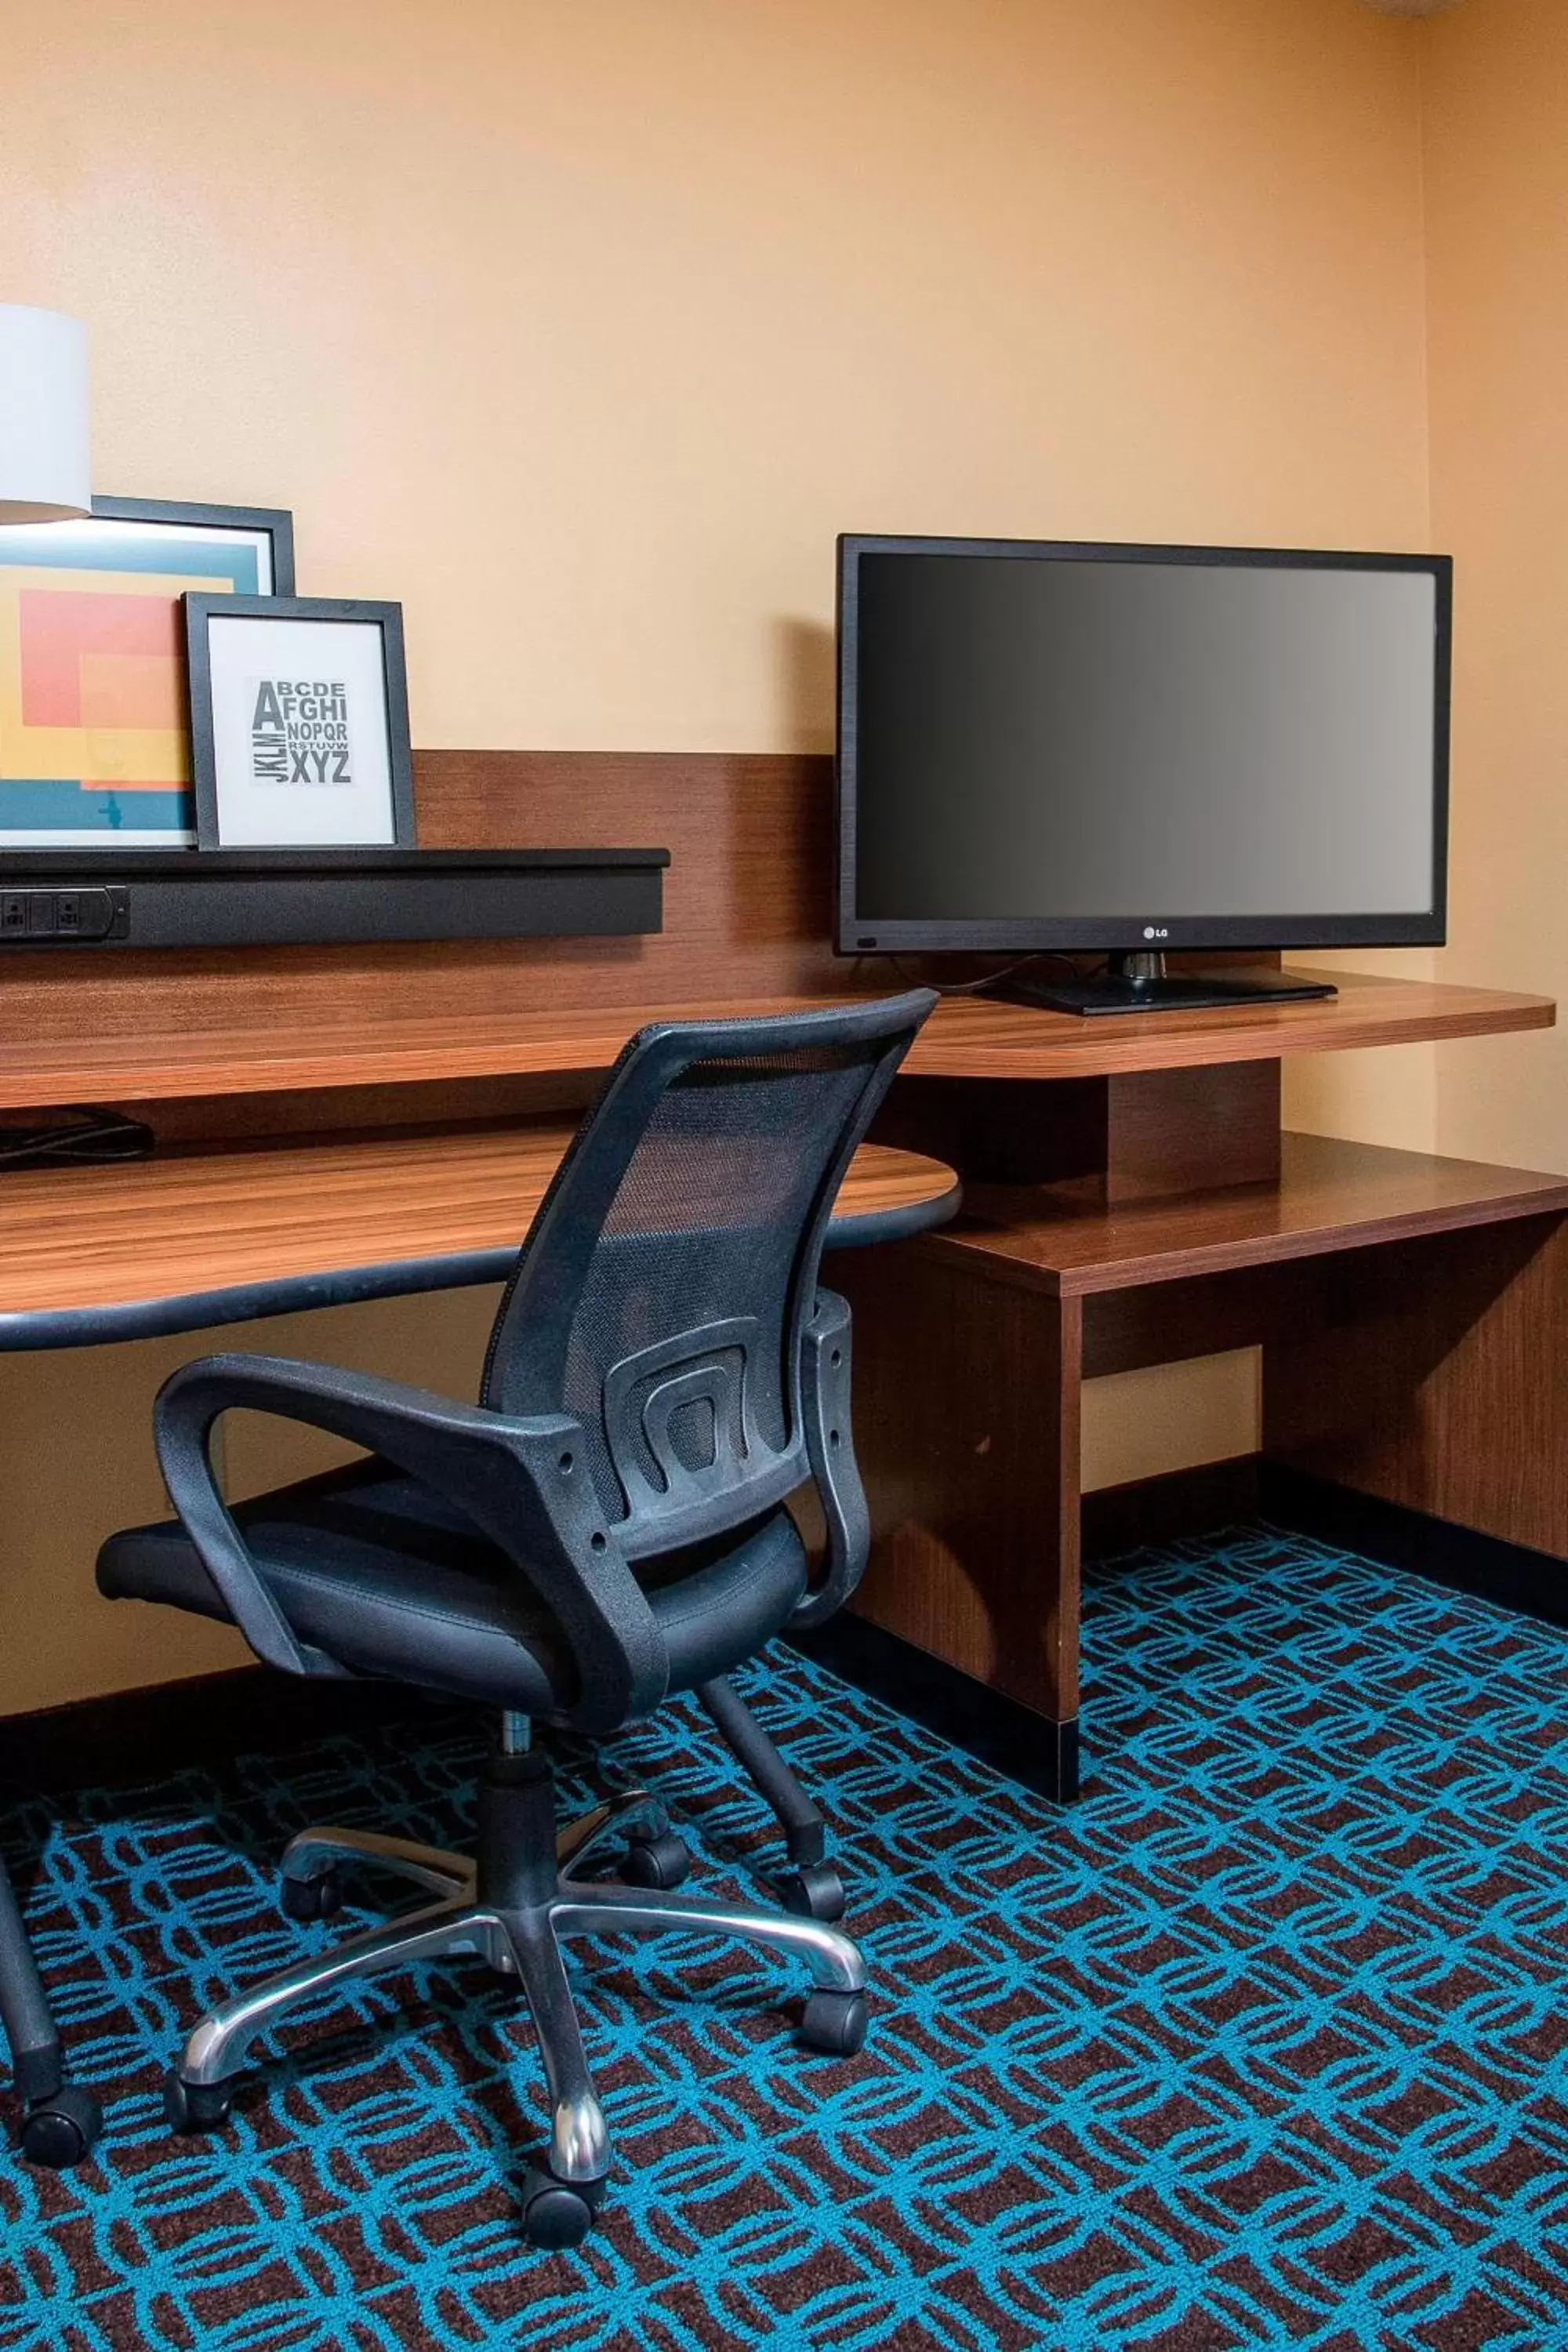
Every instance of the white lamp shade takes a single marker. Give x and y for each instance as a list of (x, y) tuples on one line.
[(43, 465)]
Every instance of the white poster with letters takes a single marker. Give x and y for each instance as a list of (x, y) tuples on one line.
[(301, 743)]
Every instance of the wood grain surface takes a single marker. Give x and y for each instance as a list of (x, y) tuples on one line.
[(748, 911), (1332, 1195), (969, 1037), (966, 1431), (1439, 1380), (748, 919), (1131, 1136), (166, 1228), (276, 1049)]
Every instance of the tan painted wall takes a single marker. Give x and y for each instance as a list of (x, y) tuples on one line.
[(1497, 179), (583, 329)]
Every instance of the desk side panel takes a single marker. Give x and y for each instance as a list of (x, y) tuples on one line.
[(1438, 1380), (966, 1409)]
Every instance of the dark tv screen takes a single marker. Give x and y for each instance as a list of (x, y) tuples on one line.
[(1232, 747)]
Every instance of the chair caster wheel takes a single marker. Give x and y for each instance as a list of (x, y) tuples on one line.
[(660, 1863), (61, 2130), (316, 1897), (816, 1891), (195, 2107), (557, 2214), (834, 2022)]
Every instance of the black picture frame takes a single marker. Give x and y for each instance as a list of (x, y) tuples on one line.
[(277, 523), (201, 610)]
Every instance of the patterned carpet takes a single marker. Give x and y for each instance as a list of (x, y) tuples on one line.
[(1263, 2044)]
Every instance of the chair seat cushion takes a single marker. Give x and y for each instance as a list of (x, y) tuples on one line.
[(379, 1572)]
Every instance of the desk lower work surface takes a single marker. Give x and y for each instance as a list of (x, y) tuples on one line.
[(197, 1238)]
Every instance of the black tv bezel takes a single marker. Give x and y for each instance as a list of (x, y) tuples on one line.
[(1119, 933)]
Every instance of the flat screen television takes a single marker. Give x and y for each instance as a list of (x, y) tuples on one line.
[(1049, 745)]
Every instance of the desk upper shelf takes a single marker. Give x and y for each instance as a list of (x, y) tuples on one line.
[(965, 1037), (971, 1038)]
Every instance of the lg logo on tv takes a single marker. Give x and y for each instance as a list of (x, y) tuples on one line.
[(1156, 930)]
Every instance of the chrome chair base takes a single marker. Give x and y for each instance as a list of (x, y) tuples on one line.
[(521, 1940)]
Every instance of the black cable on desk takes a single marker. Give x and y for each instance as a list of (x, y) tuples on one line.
[(84, 1138)]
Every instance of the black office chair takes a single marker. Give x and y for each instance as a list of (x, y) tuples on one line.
[(60, 2120), (606, 1527)]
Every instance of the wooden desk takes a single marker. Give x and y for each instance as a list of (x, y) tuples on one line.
[(1127, 1203), (272, 1052), (90, 1255), (971, 1037), (1412, 1312), (1332, 1195), (1108, 1113)]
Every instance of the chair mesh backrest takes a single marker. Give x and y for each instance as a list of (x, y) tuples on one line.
[(660, 1296)]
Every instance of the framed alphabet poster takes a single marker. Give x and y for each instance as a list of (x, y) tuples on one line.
[(95, 741), (299, 722)]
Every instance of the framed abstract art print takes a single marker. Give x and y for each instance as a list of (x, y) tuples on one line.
[(95, 742)]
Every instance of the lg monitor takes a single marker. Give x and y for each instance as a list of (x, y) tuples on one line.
[(1047, 746)]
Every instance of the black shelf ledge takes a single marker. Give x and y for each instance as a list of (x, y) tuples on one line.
[(322, 897)]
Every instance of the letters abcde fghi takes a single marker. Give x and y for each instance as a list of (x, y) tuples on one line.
[(300, 731)]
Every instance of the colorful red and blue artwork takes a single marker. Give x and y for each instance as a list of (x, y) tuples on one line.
[(95, 745)]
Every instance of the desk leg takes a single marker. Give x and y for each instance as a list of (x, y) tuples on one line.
[(1437, 1378), (966, 1427)]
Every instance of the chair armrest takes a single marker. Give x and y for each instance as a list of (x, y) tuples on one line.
[(523, 1483), (830, 1449)]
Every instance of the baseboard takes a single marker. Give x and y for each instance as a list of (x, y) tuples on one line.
[(128, 1737), (1033, 1749), (1192, 1502), (1513, 1575), (1176, 1503)]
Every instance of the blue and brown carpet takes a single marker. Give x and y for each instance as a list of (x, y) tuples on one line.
[(1262, 2044)]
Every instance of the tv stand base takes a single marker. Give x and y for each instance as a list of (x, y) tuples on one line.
[(1141, 983)]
